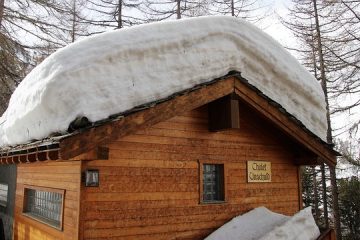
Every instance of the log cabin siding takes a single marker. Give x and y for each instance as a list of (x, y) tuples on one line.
[(58, 175), (149, 186)]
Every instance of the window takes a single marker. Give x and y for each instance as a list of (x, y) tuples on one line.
[(44, 205), (213, 183), (3, 194)]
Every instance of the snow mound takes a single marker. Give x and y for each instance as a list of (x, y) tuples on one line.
[(263, 224), (301, 226), (249, 226), (115, 71)]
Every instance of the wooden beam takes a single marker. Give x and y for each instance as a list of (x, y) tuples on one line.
[(300, 188), (98, 153), (328, 234), (85, 141), (31, 154), (280, 119), (307, 160), (31, 157)]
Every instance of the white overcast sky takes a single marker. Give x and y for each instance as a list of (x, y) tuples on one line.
[(273, 25)]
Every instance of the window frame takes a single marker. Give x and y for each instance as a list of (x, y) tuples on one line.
[(201, 182), (5, 203), (39, 218)]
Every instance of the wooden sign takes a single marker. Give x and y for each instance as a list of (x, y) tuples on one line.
[(258, 171)]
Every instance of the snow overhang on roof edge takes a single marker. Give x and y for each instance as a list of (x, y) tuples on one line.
[(47, 149)]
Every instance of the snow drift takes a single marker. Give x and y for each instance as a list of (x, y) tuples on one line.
[(263, 224), (115, 71)]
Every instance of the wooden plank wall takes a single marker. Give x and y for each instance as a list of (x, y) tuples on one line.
[(149, 187), (59, 175)]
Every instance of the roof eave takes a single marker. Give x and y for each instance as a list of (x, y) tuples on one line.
[(100, 133)]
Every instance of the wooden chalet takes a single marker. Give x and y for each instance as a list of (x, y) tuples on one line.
[(178, 168)]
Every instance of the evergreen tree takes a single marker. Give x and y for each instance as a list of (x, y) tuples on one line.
[(349, 199)]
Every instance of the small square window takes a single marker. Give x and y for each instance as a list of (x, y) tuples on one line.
[(44, 205), (3, 194), (213, 183)]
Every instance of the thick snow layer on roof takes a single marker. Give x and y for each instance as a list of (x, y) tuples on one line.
[(115, 71), (263, 224)]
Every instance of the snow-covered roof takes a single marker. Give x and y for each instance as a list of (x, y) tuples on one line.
[(115, 71)]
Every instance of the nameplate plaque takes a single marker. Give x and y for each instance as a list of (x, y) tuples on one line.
[(258, 171)]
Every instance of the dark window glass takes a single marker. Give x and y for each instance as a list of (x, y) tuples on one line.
[(3, 194), (44, 206), (213, 189)]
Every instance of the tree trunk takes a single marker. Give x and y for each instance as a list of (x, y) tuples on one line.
[(329, 134), (322, 73), (334, 191), (316, 194), (178, 13), (323, 183), (324, 87), (324, 195), (232, 8), (2, 6), (73, 29), (119, 20)]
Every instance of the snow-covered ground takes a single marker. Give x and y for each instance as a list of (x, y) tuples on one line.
[(115, 71), (262, 224)]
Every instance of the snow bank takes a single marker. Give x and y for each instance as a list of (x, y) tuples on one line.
[(301, 226), (115, 71), (249, 226), (263, 224)]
